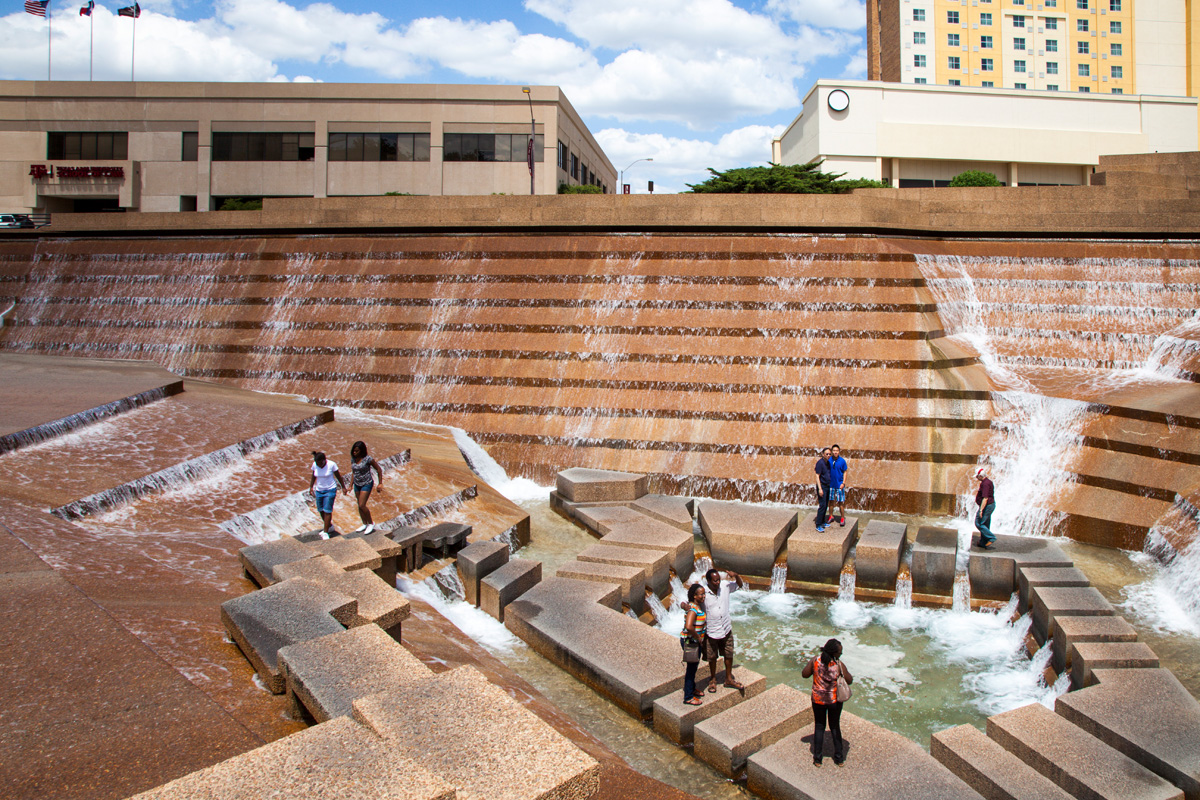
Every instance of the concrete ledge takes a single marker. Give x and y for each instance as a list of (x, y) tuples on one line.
[(1163, 735), (994, 573), (1072, 758), (259, 560), (508, 583), (1087, 656), (390, 553), (580, 485), (378, 603), (725, 741), (1030, 577), (675, 720), (650, 534), (600, 519), (475, 562), (934, 553), (1069, 631), (818, 557), (349, 554), (654, 564), (877, 557), (1049, 602), (631, 580), (745, 538), (990, 769), (678, 512)]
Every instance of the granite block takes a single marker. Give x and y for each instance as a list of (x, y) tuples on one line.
[(1029, 577), (745, 538), (390, 553), (934, 553), (650, 534), (259, 560), (378, 603), (878, 554), (675, 720), (988, 768), (678, 512), (296, 610), (632, 580), (475, 562), (993, 572), (1087, 656), (819, 557), (725, 741), (580, 485), (655, 564), (1049, 602), (326, 675), (1164, 737), (601, 519), (349, 554), (1072, 758), (1074, 630), (446, 537), (508, 583)]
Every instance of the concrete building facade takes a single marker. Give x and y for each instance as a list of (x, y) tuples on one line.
[(924, 135), (90, 146)]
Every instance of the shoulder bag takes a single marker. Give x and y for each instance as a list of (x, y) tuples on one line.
[(844, 692), (691, 650)]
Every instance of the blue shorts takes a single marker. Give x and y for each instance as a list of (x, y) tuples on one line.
[(325, 501), (837, 496), (365, 487)]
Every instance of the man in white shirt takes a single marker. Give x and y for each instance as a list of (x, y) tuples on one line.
[(719, 639)]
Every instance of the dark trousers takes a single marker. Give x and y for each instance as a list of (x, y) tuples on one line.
[(834, 714), (983, 521), (822, 506), (689, 681)]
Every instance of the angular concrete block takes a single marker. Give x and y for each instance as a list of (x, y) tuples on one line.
[(632, 580), (650, 534), (326, 675), (411, 542), (630, 663), (571, 510), (601, 519), (296, 610), (818, 557), (1029, 577), (655, 564), (464, 729), (475, 562), (678, 512), (880, 765), (389, 551), (1069, 631), (994, 572), (880, 549), (1162, 734), (1049, 602), (675, 720), (378, 603), (349, 554), (580, 485), (745, 538), (725, 741), (1087, 656), (1072, 758), (934, 553), (259, 560), (988, 768), (508, 583), (446, 537)]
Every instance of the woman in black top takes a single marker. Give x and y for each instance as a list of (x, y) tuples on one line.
[(361, 465)]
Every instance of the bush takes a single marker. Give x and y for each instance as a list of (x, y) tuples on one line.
[(241, 204), (398, 194), (779, 179), (586, 189), (975, 177)]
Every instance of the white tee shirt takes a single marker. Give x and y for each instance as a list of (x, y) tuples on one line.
[(716, 606), (325, 479)]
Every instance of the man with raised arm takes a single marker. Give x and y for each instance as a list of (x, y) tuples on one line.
[(719, 639)]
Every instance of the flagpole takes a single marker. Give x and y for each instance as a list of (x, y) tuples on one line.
[(49, 46), (133, 52), (91, 45)]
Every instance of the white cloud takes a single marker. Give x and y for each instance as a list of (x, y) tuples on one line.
[(856, 67), (845, 14), (679, 161)]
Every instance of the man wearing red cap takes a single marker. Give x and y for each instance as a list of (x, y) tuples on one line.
[(985, 498)]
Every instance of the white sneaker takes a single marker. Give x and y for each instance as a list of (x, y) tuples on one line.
[(369, 529), (360, 528)]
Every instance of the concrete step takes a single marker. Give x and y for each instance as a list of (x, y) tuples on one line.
[(378, 603), (654, 564), (818, 557), (726, 740), (1070, 631), (990, 769), (1079, 763), (676, 720), (631, 580), (650, 534), (745, 538), (1086, 657), (678, 512)]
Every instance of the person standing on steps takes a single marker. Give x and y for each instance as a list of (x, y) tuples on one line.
[(824, 480), (324, 485), (361, 465), (691, 639), (837, 485), (825, 670), (719, 639), (985, 498)]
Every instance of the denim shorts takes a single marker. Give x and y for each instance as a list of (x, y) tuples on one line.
[(325, 500), (365, 487)]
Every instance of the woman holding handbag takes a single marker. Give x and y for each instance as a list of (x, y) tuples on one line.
[(691, 639), (831, 688)]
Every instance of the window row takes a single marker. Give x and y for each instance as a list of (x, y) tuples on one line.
[(88, 146), (379, 147), (1019, 43), (263, 146), (571, 164), (1019, 21), (490, 147)]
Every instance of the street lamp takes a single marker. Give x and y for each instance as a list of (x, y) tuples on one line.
[(622, 177), (532, 136)]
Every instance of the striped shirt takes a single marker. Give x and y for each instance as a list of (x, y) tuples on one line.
[(824, 691), (701, 621)]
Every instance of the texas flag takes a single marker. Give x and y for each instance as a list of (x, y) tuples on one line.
[(86, 11), (134, 11)]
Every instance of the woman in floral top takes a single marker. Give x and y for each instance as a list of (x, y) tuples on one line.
[(825, 670)]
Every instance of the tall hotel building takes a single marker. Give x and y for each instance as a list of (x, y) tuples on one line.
[(1101, 46)]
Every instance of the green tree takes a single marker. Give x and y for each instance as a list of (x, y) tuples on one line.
[(583, 189), (975, 177), (241, 204), (780, 179)]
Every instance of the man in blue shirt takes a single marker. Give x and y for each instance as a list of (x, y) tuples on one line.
[(837, 484), (823, 484)]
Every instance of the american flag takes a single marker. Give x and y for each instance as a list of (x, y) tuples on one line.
[(37, 7)]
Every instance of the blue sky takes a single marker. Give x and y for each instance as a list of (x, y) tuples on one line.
[(692, 83)]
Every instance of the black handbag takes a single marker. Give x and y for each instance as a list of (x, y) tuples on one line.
[(691, 649)]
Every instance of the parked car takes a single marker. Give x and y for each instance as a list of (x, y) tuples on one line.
[(15, 221)]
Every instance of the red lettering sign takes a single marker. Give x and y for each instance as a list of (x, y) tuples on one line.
[(91, 172), (39, 171)]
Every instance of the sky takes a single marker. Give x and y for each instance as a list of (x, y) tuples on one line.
[(692, 84)]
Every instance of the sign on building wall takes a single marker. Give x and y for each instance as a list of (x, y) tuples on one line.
[(47, 171)]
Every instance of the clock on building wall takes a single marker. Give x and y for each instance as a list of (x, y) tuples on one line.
[(838, 100)]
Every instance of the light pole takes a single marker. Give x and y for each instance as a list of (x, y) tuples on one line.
[(532, 137), (622, 177)]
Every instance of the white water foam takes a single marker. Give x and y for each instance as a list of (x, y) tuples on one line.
[(1169, 601), (486, 467), (488, 632)]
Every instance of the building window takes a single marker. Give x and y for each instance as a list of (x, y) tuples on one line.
[(1081, 25), (919, 37), (1115, 49), (1051, 67), (87, 146), (575, 166), (1018, 86), (919, 80), (1114, 27), (564, 157), (489, 147), (1019, 66), (1051, 3), (1085, 88), (1081, 4), (953, 62), (985, 19), (955, 82), (988, 84), (1114, 5), (1118, 72), (1018, 21), (985, 64), (262, 146), (1052, 87), (918, 61), (1051, 45), (985, 42), (952, 39), (1118, 91), (1019, 43), (1082, 48), (191, 144), (1051, 24), (1084, 70), (918, 15), (379, 147), (952, 17)]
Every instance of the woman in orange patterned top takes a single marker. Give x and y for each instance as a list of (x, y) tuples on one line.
[(825, 670)]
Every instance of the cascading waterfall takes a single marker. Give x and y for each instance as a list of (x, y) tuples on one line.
[(904, 590), (779, 579), (284, 517), (846, 586), (448, 581), (702, 565), (657, 609), (678, 593), (1170, 599), (961, 600)]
